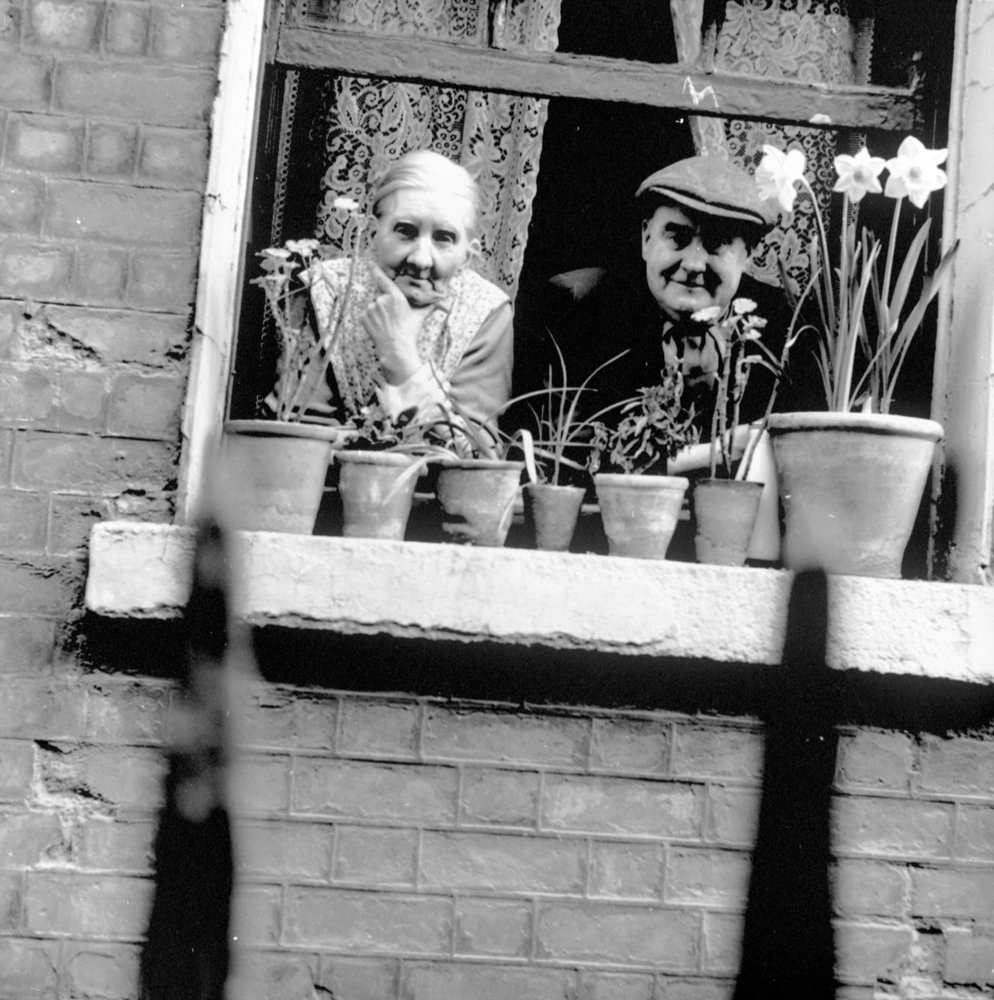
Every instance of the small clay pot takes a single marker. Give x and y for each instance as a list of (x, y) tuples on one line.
[(640, 513), (281, 468), (477, 499), (376, 488), (725, 512), (552, 511)]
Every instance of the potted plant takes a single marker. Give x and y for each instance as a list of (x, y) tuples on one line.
[(726, 503), (284, 460), (639, 506), (378, 469), (851, 479), (477, 485), (552, 506)]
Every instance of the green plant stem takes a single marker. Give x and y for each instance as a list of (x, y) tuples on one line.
[(845, 343), (886, 325), (558, 424), (823, 241), (891, 247), (719, 413), (316, 360)]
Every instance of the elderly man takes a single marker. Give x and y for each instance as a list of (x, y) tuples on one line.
[(419, 325), (700, 220)]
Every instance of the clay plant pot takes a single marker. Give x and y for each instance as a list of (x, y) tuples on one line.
[(477, 498), (551, 512), (280, 469), (725, 512), (640, 513), (376, 490), (850, 485)]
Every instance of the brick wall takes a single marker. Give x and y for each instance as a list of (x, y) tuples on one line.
[(390, 846), (412, 847), (416, 847), (103, 131), (104, 109)]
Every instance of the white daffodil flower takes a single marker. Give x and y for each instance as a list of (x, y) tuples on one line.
[(915, 172), (778, 174), (858, 175)]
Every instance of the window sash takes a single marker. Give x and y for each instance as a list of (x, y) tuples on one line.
[(556, 74)]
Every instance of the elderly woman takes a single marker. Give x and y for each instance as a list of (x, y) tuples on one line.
[(419, 324)]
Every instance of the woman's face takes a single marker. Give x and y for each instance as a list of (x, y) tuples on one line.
[(421, 239), (692, 261)]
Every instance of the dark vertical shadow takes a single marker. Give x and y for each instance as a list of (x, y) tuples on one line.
[(186, 953), (788, 948)]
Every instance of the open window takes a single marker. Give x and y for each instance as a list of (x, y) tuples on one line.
[(609, 91)]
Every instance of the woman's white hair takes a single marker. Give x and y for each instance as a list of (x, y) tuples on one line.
[(424, 169)]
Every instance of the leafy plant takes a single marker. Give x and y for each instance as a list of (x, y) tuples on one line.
[(460, 435), (654, 426), (373, 429), (559, 424), (446, 430), (731, 331), (860, 370), (287, 275)]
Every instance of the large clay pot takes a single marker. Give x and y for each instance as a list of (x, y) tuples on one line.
[(477, 498), (640, 513), (552, 511), (376, 489), (280, 471), (851, 485), (724, 514)]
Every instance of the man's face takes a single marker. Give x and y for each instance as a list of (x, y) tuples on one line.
[(692, 260), (421, 240)]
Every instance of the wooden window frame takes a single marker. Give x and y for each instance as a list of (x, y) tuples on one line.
[(963, 388)]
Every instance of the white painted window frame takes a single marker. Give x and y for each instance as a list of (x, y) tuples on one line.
[(234, 123), (963, 392)]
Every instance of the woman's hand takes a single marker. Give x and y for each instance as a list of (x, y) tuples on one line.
[(393, 326)]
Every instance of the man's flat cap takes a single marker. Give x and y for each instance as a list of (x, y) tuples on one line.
[(711, 185)]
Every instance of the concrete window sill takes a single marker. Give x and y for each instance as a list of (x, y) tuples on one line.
[(561, 601)]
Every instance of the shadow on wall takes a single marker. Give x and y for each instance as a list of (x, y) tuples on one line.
[(186, 953), (788, 931)]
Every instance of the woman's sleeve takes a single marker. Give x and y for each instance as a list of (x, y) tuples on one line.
[(481, 382)]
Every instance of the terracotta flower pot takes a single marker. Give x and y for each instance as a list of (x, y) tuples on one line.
[(640, 513), (724, 512), (850, 485), (477, 499), (280, 471), (552, 511), (376, 489)]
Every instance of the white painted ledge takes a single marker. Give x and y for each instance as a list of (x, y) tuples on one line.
[(562, 601)]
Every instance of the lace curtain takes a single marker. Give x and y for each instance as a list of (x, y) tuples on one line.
[(496, 136), (809, 40), (499, 137)]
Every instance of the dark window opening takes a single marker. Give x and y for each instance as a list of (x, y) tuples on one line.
[(594, 156), (621, 29), (912, 41)]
